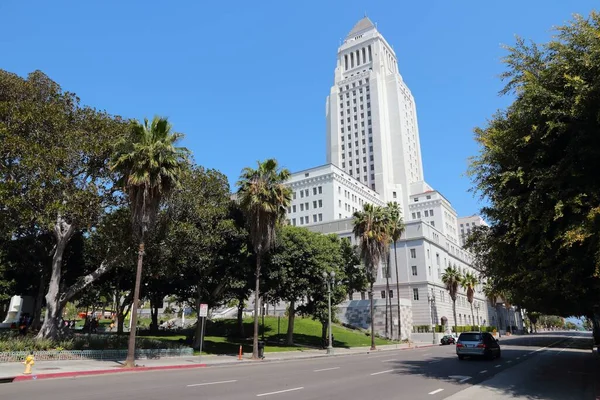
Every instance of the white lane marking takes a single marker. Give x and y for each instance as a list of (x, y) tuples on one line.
[(461, 378), (518, 358), (395, 359), (484, 371), (508, 362), (211, 383), (326, 369), (280, 391), (382, 372), (436, 391), (426, 354), (497, 366)]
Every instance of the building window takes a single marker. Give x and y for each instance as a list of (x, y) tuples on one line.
[(320, 203), (414, 216), (362, 295), (430, 270), (415, 294), (414, 270), (314, 191), (314, 204), (432, 223), (431, 213), (306, 192), (394, 195), (294, 221), (413, 253), (302, 194), (426, 213), (428, 197), (301, 206), (383, 294), (437, 258), (314, 217), (320, 217), (321, 190), (293, 208), (294, 195), (418, 214), (391, 294), (416, 199)]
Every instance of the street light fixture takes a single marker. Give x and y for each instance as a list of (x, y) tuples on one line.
[(329, 277), (477, 306), (431, 300)]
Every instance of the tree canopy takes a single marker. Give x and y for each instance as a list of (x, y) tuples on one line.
[(538, 170)]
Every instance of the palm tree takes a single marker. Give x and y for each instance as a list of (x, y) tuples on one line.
[(369, 228), (396, 227), (491, 293), (451, 278), (263, 197), (149, 167), (469, 282)]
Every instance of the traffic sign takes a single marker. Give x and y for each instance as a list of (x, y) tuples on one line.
[(203, 310)]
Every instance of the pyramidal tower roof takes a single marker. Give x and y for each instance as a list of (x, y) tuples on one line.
[(361, 26)]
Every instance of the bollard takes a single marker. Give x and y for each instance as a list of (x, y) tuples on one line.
[(241, 352), (29, 361)]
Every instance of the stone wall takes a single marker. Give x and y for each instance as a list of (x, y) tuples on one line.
[(357, 313)]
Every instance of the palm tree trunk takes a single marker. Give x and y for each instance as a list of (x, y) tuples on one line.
[(387, 299), (398, 294), (372, 318), (130, 360), (473, 315), (454, 312), (256, 308)]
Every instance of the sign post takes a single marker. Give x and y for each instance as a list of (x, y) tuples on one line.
[(203, 313)]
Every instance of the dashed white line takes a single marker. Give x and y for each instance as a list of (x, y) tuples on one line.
[(484, 371), (326, 369), (280, 391), (508, 362), (436, 391), (426, 354), (382, 372), (518, 358), (497, 366), (211, 383), (395, 359)]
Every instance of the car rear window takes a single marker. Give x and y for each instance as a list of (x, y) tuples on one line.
[(470, 337)]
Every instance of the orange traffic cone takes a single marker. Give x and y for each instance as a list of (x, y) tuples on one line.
[(240, 353)]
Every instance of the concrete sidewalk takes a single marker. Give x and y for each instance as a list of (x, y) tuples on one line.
[(60, 369)]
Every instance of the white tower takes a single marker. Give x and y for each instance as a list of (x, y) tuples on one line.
[(372, 131)]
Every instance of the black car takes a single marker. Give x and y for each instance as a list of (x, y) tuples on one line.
[(448, 339)]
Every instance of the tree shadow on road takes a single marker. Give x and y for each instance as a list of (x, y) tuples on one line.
[(572, 373)]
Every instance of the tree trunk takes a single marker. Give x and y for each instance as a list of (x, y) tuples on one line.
[(198, 332), (256, 308), (289, 338), (398, 294), (240, 317), (37, 305), (388, 309), (154, 315), (372, 318), (50, 328), (130, 360), (454, 312)]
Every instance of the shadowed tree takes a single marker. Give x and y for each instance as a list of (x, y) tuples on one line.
[(370, 231), (451, 279), (263, 197), (150, 166)]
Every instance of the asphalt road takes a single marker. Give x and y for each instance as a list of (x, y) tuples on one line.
[(548, 366)]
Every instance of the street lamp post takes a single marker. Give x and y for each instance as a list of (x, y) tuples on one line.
[(431, 300), (327, 279), (477, 308)]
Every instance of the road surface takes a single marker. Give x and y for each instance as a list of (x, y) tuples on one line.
[(544, 366)]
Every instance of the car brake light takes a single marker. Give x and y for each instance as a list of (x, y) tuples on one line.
[(481, 345), (459, 345)]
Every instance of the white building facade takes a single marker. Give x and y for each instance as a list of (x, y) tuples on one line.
[(374, 156), (466, 224)]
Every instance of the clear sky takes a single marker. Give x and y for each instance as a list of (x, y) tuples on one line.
[(247, 80)]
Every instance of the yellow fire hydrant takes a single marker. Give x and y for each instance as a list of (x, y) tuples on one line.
[(29, 362)]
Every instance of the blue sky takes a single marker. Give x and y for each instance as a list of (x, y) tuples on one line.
[(248, 80)]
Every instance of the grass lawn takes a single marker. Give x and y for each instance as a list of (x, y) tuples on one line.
[(221, 336)]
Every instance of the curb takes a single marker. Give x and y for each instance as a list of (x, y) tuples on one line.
[(74, 374)]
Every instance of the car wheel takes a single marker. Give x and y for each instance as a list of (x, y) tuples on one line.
[(461, 357)]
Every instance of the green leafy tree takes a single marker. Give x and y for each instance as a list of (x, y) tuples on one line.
[(537, 168), (396, 228), (263, 197), (469, 283), (356, 278), (54, 175), (451, 279), (369, 227), (150, 167)]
